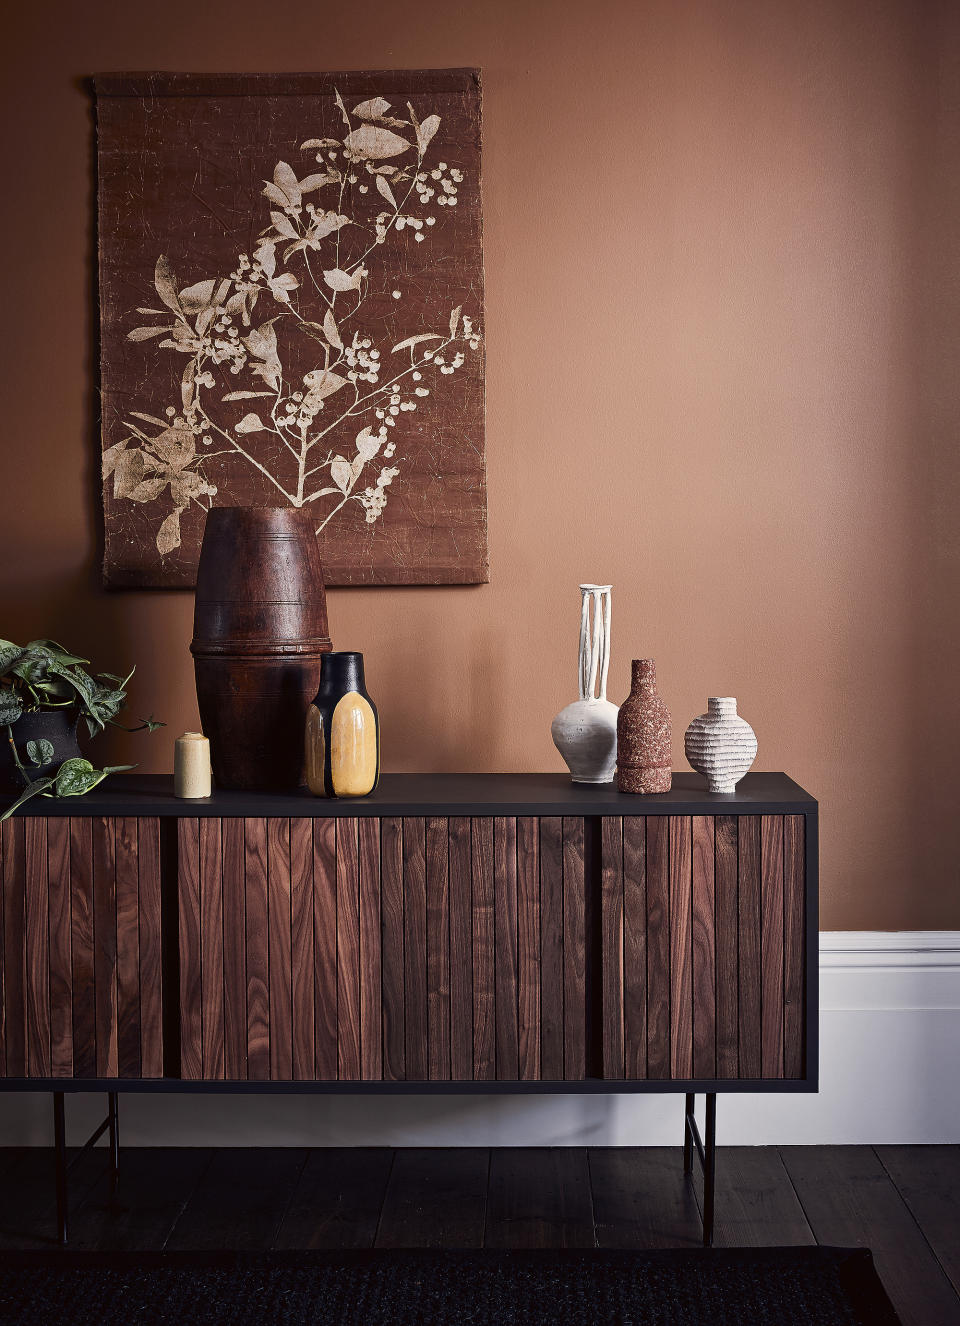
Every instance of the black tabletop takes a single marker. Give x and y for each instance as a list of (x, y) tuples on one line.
[(533, 794)]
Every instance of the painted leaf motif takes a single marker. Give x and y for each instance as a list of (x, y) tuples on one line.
[(330, 330), (244, 395), (175, 447), (323, 382), (368, 444), (384, 188), (426, 131), (326, 222), (285, 178), (266, 255), (319, 142), (455, 320), (128, 470), (415, 340), (374, 143), (185, 487), (145, 333), (262, 341), (197, 297), (148, 490), (373, 109), (149, 418), (166, 284), (341, 473), (283, 225), (317, 182), (111, 456), (275, 195), (204, 320), (168, 535), (338, 279), (250, 423), (186, 384)]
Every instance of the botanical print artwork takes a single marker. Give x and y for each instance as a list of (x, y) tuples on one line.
[(291, 314)]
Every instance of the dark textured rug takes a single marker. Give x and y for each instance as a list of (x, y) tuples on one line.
[(767, 1286)]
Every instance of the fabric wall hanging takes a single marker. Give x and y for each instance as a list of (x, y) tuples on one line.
[(291, 301)]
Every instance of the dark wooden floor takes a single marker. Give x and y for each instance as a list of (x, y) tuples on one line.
[(902, 1202)]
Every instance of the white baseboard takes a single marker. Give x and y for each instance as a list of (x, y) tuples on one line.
[(889, 1073)]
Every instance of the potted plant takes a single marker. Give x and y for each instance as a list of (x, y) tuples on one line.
[(44, 693)]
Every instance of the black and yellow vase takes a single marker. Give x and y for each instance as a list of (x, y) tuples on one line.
[(343, 731)]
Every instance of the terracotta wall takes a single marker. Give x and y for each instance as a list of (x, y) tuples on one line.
[(722, 311)]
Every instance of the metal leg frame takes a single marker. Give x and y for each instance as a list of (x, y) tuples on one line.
[(706, 1153), (110, 1124)]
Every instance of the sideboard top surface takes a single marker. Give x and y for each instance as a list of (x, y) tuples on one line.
[(415, 794)]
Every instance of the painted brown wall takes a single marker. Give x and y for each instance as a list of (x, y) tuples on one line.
[(722, 361)]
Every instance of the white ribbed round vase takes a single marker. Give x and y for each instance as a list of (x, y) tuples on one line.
[(720, 744), (585, 732)]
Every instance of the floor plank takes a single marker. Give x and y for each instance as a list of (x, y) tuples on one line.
[(850, 1200), (241, 1200), (155, 1186), (539, 1197), (28, 1201), (436, 1198), (641, 1198), (756, 1206), (337, 1201), (928, 1180)]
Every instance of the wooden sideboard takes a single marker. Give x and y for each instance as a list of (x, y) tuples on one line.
[(491, 932)]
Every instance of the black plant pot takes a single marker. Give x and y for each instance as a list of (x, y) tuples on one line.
[(58, 726)]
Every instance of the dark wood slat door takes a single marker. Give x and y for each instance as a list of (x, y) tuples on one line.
[(703, 944), (406, 949), (80, 950)]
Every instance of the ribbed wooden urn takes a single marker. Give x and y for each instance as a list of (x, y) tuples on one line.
[(259, 633)]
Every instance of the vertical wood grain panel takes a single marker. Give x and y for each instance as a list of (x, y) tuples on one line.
[(611, 939), (528, 948), (128, 946), (704, 948), (391, 909), (81, 945), (574, 952), (348, 952), (105, 944), (748, 969), (415, 948), (461, 950), (681, 947), (484, 975), (371, 999), (258, 950), (505, 940), (61, 975), (211, 947), (658, 947), (36, 941), (325, 1010), (635, 947), (191, 960), (725, 889), (438, 950), (551, 948), (771, 944), (280, 949), (14, 974), (148, 920), (301, 942), (793, 945), (233, 850)]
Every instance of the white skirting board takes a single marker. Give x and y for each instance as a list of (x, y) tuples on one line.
[(889, 1073)]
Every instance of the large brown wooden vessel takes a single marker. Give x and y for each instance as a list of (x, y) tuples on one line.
[(259, 632)]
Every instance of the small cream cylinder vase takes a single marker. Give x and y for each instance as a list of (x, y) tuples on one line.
[(720, 744), (585, 732), (191, 766)]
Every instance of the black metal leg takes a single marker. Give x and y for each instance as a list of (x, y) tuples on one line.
[(60, 1160), (710, 1170), (689, 1102), (113, 1114)]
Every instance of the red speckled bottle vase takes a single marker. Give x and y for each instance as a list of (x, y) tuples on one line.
[(644, 743)]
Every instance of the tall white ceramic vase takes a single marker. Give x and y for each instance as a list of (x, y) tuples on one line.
[(720, 744), (585, 733)]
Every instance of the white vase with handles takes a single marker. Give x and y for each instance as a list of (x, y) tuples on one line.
[(720, 744), (585, 732)]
